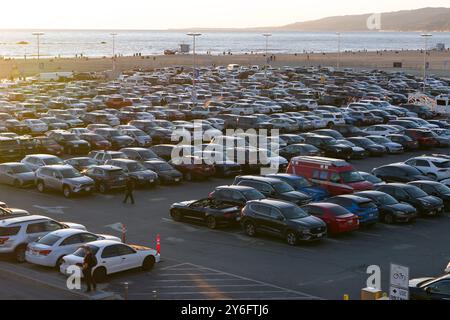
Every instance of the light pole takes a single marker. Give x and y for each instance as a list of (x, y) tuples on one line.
[(194, 36), (267, 35), (339, 50), (113, 51), (38, 36), (425, 36)]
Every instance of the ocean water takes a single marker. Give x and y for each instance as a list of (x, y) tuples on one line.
[(97, 43)]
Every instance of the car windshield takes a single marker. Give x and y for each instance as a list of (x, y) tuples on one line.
[(329, 141), (416, 192), (253, 195), (282, 187), (52, 161), (70, 173), (372, 178), (135, 167), (81, 252), (147, 154), (351, 177), (387, 199), (301, 182), (366, 142), (115, 173), (442, 189), (20, 169), (442, 165), (85, 162), (114, 133), (294, 212), (381, 140), (340, 211), (70, 137), (48, 141), (49, 239)]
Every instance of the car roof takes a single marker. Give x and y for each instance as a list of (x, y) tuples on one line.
[(239, 188), (435, 183), (435, 159), (103, 243), (22, 219), (258, 178), (351, 197), (327, 205), (58, 166), (274, 203), (41, 156), (370, 193), (107, 168), (284, 175), (67, 232)]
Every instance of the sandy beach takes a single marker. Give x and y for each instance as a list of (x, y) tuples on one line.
[(412, 61)]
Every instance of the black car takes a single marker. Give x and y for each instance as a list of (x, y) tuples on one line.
[(114, 136), (70, 142), (210, 211), (407, 142), (430, 288), (291, 138), (348, 130), (273, 188), (107, 178), (436, 189), (282, 219), (329, 133), (81, 163), (390, 210), (426, 205), (140, 154), (239, 195), (329, 146), (296, 150), (165, 151), (10, 149), (398, 172), (224, 167), (166, 173), (160, 135), (13, 125), (374, 149)]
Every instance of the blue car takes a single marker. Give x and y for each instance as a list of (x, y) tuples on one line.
[(302, 184), (364, 208)]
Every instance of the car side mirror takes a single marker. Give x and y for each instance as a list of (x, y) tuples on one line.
[(428, 290)]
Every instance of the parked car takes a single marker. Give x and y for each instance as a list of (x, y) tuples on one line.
[(35, 161), (107, 177), (391, 147), (435, 189), (48, 145), (425, 138), (96, 141), (102, 156), (17, 232), (398, 172), (193, 168), (407, 142), (50, 250), (238, 195), (140, 154), (110, 256), (166, 173), (210, 211), (434, 168), (426, 205), (302, 185), (140, 174), (374, 149), (371, 178), (116, 139), (295, 150), (337, 218), (81, 163), (10, 149), (390, 210), (329, 146), (364, 208), (16, 174), (70, 142), (430, 288)]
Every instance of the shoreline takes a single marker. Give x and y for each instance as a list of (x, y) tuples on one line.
[(412, 61)]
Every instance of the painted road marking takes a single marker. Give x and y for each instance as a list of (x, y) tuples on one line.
[(51, 210)]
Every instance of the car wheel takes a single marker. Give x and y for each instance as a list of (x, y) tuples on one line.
[(149, 263), (41, 186), (432, 176), (176, 215), (211, 222), (59, 262), (329, 125), (250, 229), (102, 188), (67, 192), (19, 253), (291, 238), (17, 183), (389, 219), (188, 176), (99, 274)]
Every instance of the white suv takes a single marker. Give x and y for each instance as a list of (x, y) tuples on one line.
[(433, 167), (16, 233)]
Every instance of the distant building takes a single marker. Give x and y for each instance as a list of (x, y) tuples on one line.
[(185, 48), (440, 47)]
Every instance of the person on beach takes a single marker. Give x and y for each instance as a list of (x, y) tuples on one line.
[(129, 191), (89, 263)]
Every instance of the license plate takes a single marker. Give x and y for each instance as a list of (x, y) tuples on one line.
[(88, 189)]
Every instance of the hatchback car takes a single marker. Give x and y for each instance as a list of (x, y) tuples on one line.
[(282, 219), (166, 173), (435, 189), (364, 208), (302, 185), (398, 172)]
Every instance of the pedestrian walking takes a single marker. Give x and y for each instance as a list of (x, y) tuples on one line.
[(89, 263), (129, 191)]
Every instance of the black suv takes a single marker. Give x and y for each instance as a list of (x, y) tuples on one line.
[(273, 188), (329, 146), (426, 205), (239, 195), (282, 219), (107, 177), (70, 142)]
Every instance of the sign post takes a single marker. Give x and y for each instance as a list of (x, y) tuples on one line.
[(399, 283)]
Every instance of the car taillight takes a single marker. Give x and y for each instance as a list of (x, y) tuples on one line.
[(210, 195), (44, 252), (3, 240)]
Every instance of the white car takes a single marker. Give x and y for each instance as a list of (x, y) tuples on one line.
[(79, 131), (381, 130), (36, 126), (433, 167), (35, 161), (16, 233), (140, 137), (49, 250), (333, 118), (241, 109), (112, 257), (446, 182), (217, 123)]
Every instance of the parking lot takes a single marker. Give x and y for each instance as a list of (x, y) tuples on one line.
[(198, 263)]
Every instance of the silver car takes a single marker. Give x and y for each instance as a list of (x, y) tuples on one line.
[(63, 178), (16, 174), (35, 161)]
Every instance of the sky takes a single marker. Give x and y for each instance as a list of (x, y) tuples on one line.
[(172, 14)]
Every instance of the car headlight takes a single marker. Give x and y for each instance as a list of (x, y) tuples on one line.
[(400, 213)]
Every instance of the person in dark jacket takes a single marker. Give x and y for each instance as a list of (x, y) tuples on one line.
[(88, 264), (129, 191)]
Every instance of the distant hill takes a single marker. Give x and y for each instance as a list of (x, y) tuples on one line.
[(425, 19)]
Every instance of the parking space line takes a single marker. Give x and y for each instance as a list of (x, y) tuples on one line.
[(370, 234), (188, 274), (190, 280)]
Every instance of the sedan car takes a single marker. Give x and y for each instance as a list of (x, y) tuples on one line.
[(16, 174), (166, 173), (50, 250), (390, 210), (371, 178), (406, 142), (96, 141), (337, 218), (296, 150), (48, 145), (435, 168), (303, 185), (435, 189), (282, 219), (364, 208), (426, 205), (430, 288), (391, 147), (140, 174), (374, 149), (398, 172), (112, 257), (238, 195), (210, 211), (193, 168), (35, 161)]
